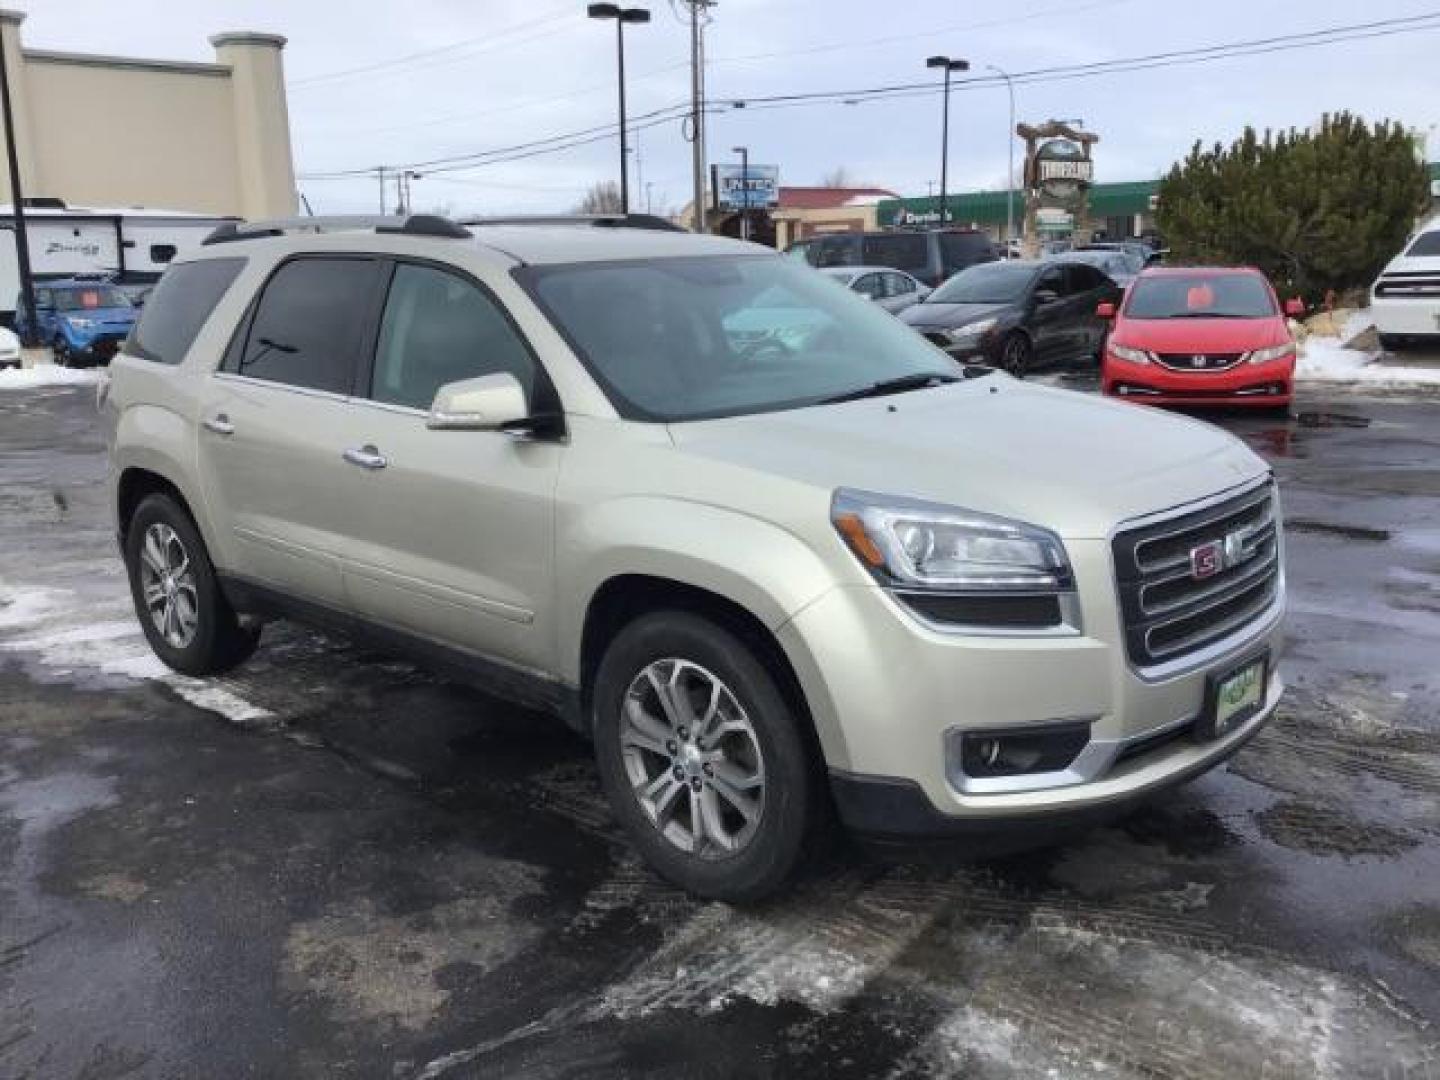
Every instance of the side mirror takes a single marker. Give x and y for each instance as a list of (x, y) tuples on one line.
[(1295, 308), (1106, 310), (487, 403)]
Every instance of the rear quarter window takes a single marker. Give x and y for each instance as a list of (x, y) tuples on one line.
[(903, 251), (179, 306)]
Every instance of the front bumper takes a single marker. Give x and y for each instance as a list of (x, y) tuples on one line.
[(1408, 317), (1261, 385), (885, 691)]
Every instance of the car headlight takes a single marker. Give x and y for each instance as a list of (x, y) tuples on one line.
[(1274, 352), (972, 330), (1126, 353), (913, 544), (81, 323)]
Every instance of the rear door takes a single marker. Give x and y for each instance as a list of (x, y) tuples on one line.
[(1091, 286), (1051, 326), (274, 422), (450, 533)]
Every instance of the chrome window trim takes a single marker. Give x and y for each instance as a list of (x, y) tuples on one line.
[(290, 388)]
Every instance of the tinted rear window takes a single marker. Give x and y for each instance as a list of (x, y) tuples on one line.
[(1426, 244), (903, 251), (959, 250), (306, 331), (178, 307)]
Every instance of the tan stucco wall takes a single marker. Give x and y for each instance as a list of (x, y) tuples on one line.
[(108, 131), (792, 225)]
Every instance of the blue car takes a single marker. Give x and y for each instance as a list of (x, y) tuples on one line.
[(82, 320)]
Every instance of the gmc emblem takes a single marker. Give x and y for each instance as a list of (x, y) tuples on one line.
[(1211, 557), (1206, 560)]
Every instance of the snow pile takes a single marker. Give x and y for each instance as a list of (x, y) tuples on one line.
[(1338, 360), (46, 375)]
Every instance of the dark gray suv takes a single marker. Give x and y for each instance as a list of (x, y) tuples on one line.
[(930, 256)]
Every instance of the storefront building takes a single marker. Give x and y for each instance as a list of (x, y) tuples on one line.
[(1117, 211)]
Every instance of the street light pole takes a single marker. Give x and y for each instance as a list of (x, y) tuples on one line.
[(621, 17), (744, 152), (948, 65), (17, 203), (1010, 142)]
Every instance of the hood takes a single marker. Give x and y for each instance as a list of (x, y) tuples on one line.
[(927, 313), (105, 314), (1201, 335), (1070, 462)]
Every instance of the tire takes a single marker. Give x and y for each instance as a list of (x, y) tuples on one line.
[(60, 352), (755, 855), (212, 641), (1016, 355)]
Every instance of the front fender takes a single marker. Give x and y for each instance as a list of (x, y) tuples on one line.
[(768, 571)]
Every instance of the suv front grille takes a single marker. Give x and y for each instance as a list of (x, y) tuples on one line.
[(1409, 284), (1189, 580)]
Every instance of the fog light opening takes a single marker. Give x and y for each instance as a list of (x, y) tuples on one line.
[(1023, 751)]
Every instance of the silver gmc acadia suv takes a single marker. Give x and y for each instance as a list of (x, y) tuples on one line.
[(776, 554)]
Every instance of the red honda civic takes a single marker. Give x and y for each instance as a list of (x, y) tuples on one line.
[(1200, 336)]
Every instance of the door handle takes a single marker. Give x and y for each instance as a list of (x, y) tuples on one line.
[(220, 424), (367, 457)]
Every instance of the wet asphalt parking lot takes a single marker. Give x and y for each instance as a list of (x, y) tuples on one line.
[(333, 863)]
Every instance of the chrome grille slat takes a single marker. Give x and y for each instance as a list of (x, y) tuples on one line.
[(1167, 611)]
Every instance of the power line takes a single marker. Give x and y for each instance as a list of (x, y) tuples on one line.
[(488, 38), (1173, 58)]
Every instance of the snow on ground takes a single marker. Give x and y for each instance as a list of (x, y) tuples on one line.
[(47, 375), (1326, 359)]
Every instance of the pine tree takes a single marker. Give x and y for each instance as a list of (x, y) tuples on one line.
[(1315, 209)]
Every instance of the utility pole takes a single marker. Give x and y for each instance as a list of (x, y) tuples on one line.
[(744, 152), (1010, 190), (948, 65), (698, 10), (380, 174), (621, 17), (17, 200)]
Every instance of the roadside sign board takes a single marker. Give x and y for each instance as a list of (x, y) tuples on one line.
[(753, 188)]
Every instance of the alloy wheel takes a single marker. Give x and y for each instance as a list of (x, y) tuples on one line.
[(692, 758), (167, 582)]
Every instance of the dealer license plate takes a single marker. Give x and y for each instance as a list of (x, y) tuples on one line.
[(1236, 697)]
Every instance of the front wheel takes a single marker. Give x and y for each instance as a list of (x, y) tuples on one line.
[(182, 610), (702, 758), (60, 351), (1015, 355)]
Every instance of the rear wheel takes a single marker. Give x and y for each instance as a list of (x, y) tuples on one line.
[(1015, 355), (701, 757), (186, 618)]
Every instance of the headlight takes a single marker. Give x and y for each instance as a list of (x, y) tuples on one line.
[(909, 544), (972, 330), (1133, 356), (1274, 352), (81, 324)]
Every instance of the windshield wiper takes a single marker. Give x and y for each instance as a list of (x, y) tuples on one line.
[(897, 385)]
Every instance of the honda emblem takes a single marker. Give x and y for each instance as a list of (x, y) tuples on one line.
[(1197, 361)]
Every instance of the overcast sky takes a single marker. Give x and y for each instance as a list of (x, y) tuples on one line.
[(501, 72)]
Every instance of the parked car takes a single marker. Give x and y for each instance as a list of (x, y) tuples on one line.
[(1201, 336), (930, 257), (768, 583), (893, 290), (82, 319), (1405, 299), (1020, 315), (1120, 267), (1147, 255), (9, 349)]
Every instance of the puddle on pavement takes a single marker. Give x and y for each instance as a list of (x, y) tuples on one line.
[(1331, 419)]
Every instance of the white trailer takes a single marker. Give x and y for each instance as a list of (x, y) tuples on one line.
[(132, 245)]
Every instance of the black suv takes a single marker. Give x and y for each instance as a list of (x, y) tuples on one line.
[(930, 256)]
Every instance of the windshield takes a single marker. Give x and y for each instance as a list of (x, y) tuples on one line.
[(988, 283), (690, 338), (1200, 296), (1426, 244), (89, 298)]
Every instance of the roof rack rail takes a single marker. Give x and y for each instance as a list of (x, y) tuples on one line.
[(594, 221), (411, 225)]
